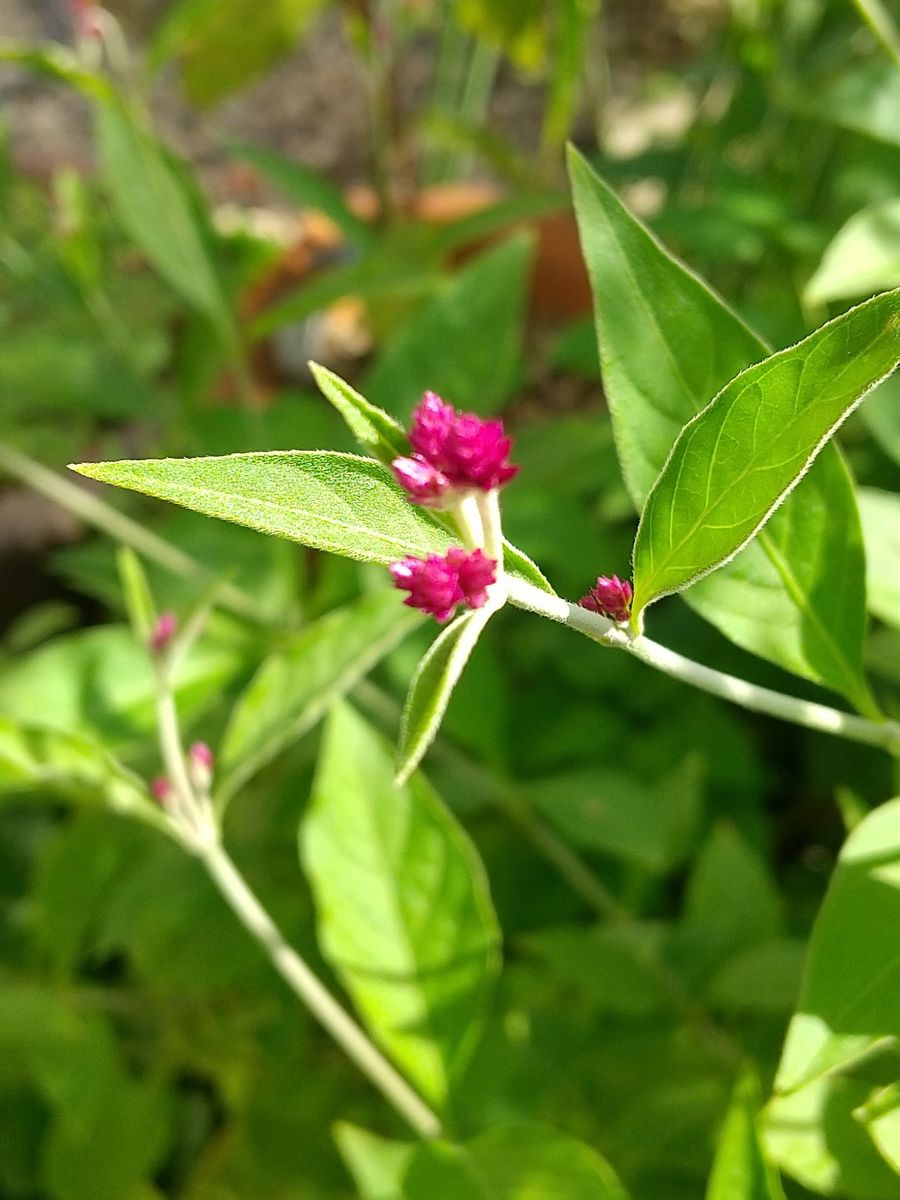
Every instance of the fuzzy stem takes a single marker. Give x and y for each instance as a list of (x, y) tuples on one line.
[(194, 824), (885, 734), (309, 988)]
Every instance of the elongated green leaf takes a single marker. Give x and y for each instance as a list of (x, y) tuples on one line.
[(337, 502), (512, 1162), (376, 1164), (60, 63), (651, 825), (309, 189), (152, 205), (482, 308), (298, 682), (851, 994), (224, 44), (880, 513), (881, 415), (667, 346), (880, 1116), (136, 593), (63, 764), (737, 460), (375, 430), (404, 915), (740, 1170), (432, 686), (815, 1136), (863, 258)]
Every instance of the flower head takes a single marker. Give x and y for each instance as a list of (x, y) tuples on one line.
[(452, 453), (437, 585), (611, 597)]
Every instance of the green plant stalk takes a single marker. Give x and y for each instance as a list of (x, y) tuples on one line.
[(877, 17), (884, 734), (194, 824)]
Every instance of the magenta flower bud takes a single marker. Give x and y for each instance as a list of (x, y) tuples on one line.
[(431, 425), (200, 766), (423, 483), (611, 597), (463, 449), (478, 453), (476, 574), (163, 632), (437, 585), (160, 789), (432, 583)]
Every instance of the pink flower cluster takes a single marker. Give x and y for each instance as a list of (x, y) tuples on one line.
[(611, 597), (453, 453), (437, 585)]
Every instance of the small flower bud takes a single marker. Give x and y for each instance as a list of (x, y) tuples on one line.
[(163, 632), (200, 766), (611, 597), (423, 483), (160, 789), (461, 451), (86, 19), (437, 585)]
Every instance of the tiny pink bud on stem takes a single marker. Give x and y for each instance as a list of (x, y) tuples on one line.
[(611, 597), (163, 632), (200, 766)]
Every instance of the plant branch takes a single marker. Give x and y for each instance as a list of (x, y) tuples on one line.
[(884, 734), (306, 985), (193, 822)]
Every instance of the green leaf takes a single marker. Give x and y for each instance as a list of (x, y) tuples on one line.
[(308, 188), (731, 902), (100, 682), (225, 44), (376, 1164), (154, 208), (667, 346), (812, 1136), (737, 460), (615, 967), (466, 342), (432, 686), (880, 513), (59, 63), (137, 594), (379, 434), (851, 993), (863, 258), (296, 684), (404, 914), (880, 1116), (761, 978), (33, 757), (740, 1170), (512, 1162), (651, 825), (336, 502), (863, 96)]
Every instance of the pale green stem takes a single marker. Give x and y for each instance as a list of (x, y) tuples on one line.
[(880, 22), (468, 521), (309, 988), (193, 822), (489, 510), (885, 734), (96, 512)]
